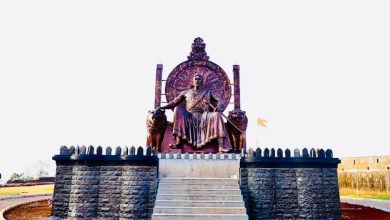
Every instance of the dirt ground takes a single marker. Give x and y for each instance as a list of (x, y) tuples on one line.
[(41, 210), (357, 212), (32, 211)]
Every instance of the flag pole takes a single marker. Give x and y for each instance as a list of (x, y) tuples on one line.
[(257, 134)]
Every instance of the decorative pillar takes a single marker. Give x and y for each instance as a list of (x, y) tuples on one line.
[(157, 99), (236, 77)]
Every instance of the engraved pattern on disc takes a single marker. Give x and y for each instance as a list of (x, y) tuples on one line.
[(214, 78)]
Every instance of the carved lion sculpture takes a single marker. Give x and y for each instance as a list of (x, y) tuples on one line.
[(156, 123), (240, 121)]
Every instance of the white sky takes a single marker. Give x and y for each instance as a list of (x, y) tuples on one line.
[(82, 72)]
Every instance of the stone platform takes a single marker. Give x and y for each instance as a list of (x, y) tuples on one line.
[(138, 183)]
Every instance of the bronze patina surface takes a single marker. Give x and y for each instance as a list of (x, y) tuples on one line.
[(198, 123), (214, 77)]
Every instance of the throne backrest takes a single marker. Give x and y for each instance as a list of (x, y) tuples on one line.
[(214, 78)]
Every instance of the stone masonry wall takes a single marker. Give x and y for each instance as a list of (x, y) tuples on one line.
[(62, 191), (120, 186), (84, 192), (299, 187), (110, 188), (370, 174)]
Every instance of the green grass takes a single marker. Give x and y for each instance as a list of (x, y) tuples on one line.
[(26, 190), (382, 197), (364, 194)]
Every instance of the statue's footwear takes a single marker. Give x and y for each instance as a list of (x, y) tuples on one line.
[(174, 146), (223, 150)]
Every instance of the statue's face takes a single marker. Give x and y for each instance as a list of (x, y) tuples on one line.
[(197, 80)]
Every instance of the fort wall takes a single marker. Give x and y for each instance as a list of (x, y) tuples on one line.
[(371, 174)]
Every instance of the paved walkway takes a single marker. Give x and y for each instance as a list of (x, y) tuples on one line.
[(373, 203), (5, 203)]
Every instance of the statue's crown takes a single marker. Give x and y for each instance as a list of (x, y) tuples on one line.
[(198, 52)]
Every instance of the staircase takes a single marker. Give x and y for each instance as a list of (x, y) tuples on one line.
[(199, 198)]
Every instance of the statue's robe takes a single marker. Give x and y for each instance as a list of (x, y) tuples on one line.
[(198, 122)]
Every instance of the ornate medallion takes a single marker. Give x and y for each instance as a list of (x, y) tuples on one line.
[(214, 78)]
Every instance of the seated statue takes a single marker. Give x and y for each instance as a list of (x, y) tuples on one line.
[(200, 121)]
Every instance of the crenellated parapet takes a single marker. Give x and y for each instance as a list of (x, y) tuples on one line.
[(271, 157), (110, 157)]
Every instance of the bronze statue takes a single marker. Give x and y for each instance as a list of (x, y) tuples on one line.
[(199, 91), (200, 121), (156, 122)]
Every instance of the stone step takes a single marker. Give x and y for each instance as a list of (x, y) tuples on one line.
[(197, 186), (199, 181), (199, 203), (199, 210), (199, 198), (200, 191), (222, 196), (166, 216)]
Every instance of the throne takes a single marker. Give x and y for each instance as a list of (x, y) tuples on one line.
[(217, 81)]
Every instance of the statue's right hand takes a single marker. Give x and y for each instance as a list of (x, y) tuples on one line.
[(159, 109)]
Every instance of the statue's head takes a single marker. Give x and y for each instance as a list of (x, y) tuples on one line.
[(197, 79), (156, 114), (237, 114)]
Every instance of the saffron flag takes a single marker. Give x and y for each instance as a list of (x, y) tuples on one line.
[(261, 122)]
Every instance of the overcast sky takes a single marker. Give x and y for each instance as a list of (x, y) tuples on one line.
[(82, 72)]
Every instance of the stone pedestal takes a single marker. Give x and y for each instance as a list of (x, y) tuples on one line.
[(202, 168), (135, 185)]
